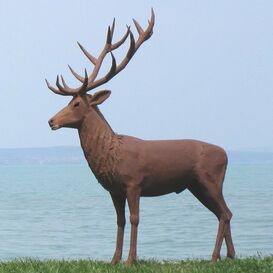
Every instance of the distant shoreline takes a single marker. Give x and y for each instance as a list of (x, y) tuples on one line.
[(74, 155)]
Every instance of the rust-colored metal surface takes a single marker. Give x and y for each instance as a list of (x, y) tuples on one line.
[(129, 167)]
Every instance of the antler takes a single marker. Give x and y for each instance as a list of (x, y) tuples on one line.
[(90, 82)]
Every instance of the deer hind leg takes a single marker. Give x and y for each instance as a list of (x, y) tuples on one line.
[(211, 197), (119, 203), (224, 223), (229, 243)]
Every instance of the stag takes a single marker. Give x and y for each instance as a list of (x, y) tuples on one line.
[(129, 167)]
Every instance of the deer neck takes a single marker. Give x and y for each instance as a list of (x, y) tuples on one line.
[(100, 145)]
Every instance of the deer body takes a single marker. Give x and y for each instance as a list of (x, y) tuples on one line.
[(164, 166), (129, 167)]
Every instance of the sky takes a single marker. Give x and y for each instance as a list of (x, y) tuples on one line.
[(206, 73)]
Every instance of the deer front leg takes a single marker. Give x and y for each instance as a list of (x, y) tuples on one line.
[(133, 196), (119, 204)]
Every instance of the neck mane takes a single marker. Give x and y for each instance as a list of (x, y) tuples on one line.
[(100, 145)]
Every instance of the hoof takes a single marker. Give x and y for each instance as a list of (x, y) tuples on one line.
[(116, 259), (130, 262), (231, 256), (215, 258)]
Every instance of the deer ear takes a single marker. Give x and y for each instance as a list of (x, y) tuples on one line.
[(99, 97)]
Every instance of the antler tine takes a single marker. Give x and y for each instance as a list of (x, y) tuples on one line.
[(61, 88), (131, 50), (92, 59), (64, 83), (151, 23), (122, 40), (83, 88), (76, 75), (112, 70), (145, 35), (138, 27), (113, 26), (109, 37), (53, 89)]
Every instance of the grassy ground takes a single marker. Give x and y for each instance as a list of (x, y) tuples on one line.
[(249, 265)]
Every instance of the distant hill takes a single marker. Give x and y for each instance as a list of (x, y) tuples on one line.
[(250, 157), (50, 155), (74, 155)]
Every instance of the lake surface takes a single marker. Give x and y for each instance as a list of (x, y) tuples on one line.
[(54, 211)]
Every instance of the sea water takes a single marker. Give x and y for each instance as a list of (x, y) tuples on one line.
[(59, 211)]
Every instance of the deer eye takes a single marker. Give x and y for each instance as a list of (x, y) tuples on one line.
[(77, 104)]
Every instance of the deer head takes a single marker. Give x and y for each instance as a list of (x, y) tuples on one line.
[(74, 113)]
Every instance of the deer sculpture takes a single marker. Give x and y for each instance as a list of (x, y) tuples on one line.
[(129, 167)]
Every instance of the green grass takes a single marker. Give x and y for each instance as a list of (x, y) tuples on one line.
[(249, 265)]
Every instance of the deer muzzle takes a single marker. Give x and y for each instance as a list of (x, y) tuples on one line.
[(52, 125)]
